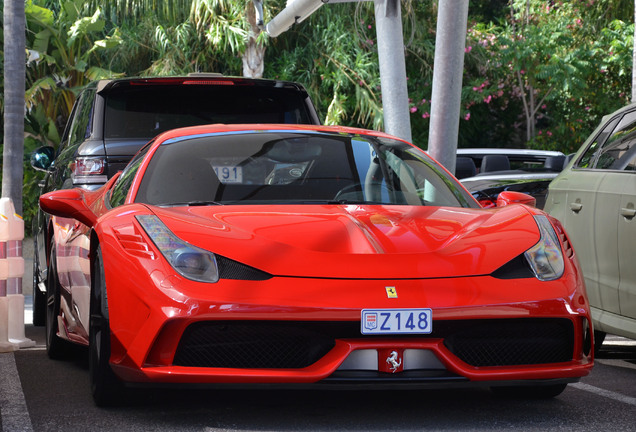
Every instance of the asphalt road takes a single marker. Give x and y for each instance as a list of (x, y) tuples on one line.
[(52, 395), (39, 394)]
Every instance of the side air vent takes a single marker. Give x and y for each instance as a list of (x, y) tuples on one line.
[(516, 268)]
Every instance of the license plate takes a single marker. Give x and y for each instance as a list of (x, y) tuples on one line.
[(229, 174), (396, 321)]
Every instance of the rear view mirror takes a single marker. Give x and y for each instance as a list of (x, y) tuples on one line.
[(42, 158), (511, 197)]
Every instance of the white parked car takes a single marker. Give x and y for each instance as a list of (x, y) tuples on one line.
[(487, 171)]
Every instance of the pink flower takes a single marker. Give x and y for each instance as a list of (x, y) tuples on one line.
[(369, 26), (413, 109), (468, 49), (467, 116), (487, 99), (549, 133), (426, 115)]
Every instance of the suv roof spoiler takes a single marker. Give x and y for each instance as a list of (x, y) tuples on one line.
[(106, 85)]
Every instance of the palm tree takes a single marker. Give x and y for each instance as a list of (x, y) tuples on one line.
[(14, 82), (189, 35)]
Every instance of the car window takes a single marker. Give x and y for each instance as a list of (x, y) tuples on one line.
[(589, 157), (299, 168), (82, 122), (143, 111), (616, 151), (121, 188), (614, 148), (79, 130)]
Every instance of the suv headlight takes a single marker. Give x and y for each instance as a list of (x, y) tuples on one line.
[(545, 258), (189, 261)]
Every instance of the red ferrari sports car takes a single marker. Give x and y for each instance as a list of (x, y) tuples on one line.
[(307, 254)]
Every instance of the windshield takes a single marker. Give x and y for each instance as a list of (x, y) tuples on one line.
[(286, 167)]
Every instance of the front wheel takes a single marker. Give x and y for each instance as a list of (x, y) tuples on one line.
[(105, 386)]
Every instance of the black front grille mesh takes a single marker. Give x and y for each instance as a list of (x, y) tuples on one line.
[(513, 342), (293, 344), (251, 345)]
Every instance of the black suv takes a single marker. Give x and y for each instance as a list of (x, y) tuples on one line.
[(112, 119)]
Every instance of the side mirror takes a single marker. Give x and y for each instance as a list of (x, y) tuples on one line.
[(68, 203), (42, 158), (511, 197)]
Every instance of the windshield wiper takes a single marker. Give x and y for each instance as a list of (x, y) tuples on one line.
[(190, 203), (348, 201), (332, 201)]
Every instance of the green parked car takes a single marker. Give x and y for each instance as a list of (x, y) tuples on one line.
[(595, 199)]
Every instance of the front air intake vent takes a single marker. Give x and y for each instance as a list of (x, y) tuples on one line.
[(513, 342), (248, 345)]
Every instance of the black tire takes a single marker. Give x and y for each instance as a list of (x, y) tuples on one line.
[(105, 386), (599, 337), (56, 347), (39, 299), (530, 392)]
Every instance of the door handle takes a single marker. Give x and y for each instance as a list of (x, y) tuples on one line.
[(628, 213), (576, 207)]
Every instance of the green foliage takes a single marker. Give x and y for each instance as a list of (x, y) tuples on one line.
[(545, 66), (63, 47), (336, 63)]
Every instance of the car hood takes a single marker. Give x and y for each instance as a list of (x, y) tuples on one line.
[(359, 241)]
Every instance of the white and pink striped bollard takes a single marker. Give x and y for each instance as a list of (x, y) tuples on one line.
[(12, 236)]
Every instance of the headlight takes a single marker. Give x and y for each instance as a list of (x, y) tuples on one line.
[(545, 258), (189, 261)]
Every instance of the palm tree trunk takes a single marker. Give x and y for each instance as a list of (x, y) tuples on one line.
[(253, 57), (14, 90)]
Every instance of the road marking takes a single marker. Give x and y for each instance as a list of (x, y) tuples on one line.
[(13, 409), (605, 393)]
